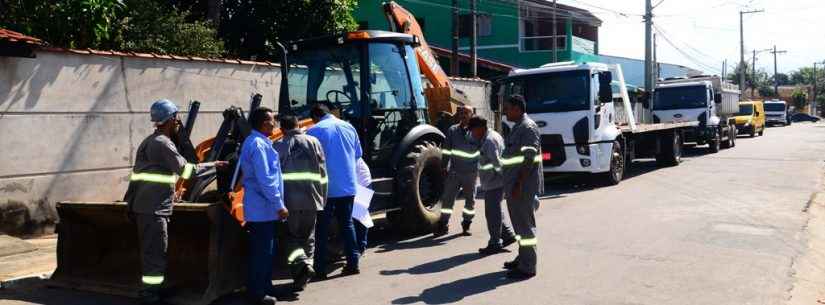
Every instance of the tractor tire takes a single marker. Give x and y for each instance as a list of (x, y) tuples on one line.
[(671, 153), (715, 144), (419, 184), (617, 166)]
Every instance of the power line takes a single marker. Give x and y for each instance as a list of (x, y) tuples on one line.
[(685, 54)]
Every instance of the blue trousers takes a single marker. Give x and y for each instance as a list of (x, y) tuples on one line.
[(341, 209), (261, 256), (360, 235)]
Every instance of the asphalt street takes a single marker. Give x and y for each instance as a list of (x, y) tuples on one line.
[(721, 228)]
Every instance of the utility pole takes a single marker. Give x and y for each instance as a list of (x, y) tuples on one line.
[(813, 103), (473, 39), (753, 73), (724, 69), (648, 48), (776, 75), (742, 47), (555, 46), (454, 65)]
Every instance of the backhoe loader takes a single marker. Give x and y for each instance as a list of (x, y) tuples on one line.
[(371, 77)]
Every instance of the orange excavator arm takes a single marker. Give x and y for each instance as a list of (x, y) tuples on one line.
[(441, 96)]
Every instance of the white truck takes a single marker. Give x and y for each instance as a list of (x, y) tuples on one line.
[(588, 120), (707, 99), (776, 113)]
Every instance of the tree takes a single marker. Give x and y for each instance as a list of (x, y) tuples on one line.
[(799, 99), (783, 79), (250, 28), (124, 25)]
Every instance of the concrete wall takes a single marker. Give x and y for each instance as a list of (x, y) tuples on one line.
[(71, 122)]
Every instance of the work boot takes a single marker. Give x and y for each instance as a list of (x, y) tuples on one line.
[(516, 274), (490, 250), (303, 278), (350, 270), (266, 300), (441, 229), (465, 227), (511, 265)]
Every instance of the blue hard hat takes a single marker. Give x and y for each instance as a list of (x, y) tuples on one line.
[(162, 110)]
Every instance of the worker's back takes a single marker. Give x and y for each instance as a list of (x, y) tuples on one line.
[(154, 175), (341, 148), (304, 173)]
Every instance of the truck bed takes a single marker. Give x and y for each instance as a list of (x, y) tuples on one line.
[(642, 128)]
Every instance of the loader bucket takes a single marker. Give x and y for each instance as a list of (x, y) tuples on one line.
[(98, 250)]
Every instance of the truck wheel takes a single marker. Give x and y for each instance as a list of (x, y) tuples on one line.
[(762, 132), (419, 184), (753, 132), (670, 155), (714, 145), (733, 134), (729, 142), (617, 166)]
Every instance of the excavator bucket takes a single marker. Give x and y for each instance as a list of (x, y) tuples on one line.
[(98, 250)]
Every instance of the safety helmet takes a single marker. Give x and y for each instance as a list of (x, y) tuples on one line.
[(162, 110)]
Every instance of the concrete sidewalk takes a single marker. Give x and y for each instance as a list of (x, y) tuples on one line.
[(23, 260)]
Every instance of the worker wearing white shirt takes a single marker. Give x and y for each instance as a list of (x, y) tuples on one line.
[(364, 179)]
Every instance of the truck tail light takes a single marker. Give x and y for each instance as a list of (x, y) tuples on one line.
[(546, 156)]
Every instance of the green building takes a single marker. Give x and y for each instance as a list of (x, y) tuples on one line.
[(511, 33)]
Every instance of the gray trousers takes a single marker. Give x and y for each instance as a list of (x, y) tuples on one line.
[(522, 214), (496, 226), (301, 239), (154, 242), (454, 183)]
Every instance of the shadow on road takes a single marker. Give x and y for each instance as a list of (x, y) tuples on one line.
[(425, 242), (458, 290), (436, 266)]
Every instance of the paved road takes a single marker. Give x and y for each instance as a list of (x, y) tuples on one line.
[(718, 229)]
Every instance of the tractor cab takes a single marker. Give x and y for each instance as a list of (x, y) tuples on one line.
[(373, 80)]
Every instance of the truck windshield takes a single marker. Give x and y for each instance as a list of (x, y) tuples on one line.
[(334, 74), (553, 92), (687, 97), (745, 110), (774, 107)]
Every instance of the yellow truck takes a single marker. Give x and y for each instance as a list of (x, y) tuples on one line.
[(751, 118)]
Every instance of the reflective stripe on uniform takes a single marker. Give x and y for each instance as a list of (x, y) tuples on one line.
[(305, 176), (156, 178), (487, 167), (469, 212), (294, 255), (152, 279), (466, 155), (446, 211), (518, 160), (187, 171), (446, 152), (527, 242), (525, 148)]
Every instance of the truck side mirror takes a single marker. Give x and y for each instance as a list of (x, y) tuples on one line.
[(717, 98), (605, 90)]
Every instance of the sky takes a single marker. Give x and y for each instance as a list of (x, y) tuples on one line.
[(707, 31)]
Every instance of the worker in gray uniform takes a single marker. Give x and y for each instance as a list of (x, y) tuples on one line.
[(305, 190), (523, 182), (151, 193), (492, 183), (460, 153)]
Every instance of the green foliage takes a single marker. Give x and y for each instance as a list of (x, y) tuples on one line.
[(799, 98), (153, 27), (66, 23), (250, 28), (130, 25)]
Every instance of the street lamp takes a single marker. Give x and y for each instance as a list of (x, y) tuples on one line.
[(753, 69)]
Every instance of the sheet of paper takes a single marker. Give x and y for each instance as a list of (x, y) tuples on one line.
[(360, 209)]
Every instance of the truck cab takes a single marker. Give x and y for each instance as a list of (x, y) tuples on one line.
[(576, 126), (706, 99), (776, 113)]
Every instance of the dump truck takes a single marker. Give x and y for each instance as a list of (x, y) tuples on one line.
[(710, 100), (373, 77), (589, 122)]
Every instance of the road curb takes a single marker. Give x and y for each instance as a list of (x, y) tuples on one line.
[(24, 280)]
